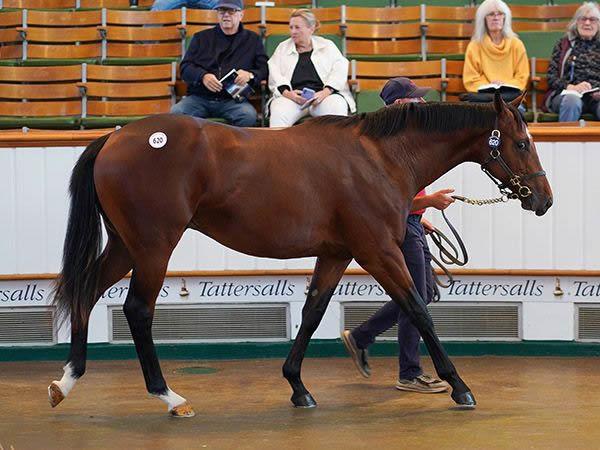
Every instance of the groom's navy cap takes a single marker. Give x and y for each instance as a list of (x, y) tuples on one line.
[(401, 87), (233, 4)]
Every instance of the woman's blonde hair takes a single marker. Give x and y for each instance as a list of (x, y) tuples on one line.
[(308, 16), (585, 8), (484, 9)]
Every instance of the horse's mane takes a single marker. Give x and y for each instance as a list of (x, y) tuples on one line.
[(433, 117)]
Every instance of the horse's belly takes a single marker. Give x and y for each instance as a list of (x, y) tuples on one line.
[(269, 239)]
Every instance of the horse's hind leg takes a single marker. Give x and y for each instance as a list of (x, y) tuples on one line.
[(327, 274), (390, 270), (146, 282), (115, 262)]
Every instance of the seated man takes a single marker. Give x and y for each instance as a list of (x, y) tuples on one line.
[(212, 54)]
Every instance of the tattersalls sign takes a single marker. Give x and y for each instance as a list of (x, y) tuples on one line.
[(294, 288), (31, 293), (528, 288), (586, 288), (284, 288)]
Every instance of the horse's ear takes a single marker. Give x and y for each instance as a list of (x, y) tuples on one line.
[(517, 101), (499, 104)]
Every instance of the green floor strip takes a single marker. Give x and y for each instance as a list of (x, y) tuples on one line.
[(319, 348)]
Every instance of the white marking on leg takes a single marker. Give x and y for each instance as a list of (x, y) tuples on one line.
[(171, 398), (67, 382)]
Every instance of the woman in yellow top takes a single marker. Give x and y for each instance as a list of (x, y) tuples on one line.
[(495, 54)]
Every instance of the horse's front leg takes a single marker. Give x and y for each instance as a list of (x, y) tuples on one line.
[(326, 276), (390, 270)]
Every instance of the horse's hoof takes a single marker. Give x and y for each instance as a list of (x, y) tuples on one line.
[(55, 395), (183, 410), (304, 401), (464, 400)]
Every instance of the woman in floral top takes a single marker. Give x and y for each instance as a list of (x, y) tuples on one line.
[(575, 67)]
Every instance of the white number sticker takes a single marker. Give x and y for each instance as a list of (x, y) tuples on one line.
[(158, 140)]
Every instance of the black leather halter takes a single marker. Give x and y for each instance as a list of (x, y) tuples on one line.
[(516, 181)]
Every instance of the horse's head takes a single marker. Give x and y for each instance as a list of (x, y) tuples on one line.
[(513, 159)]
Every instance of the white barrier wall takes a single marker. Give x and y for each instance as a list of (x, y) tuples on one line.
[(34, 207), (543, 314)]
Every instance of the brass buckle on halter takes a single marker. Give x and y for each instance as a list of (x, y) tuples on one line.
[(524, 191), (516, 181)]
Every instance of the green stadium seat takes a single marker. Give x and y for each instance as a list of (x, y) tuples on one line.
[(39, 4), (114, 4), (367, 3), (542, 17), (539, 44), (460, 3), (10, 38), (117, 95), (526, 2), (368, 101), (553, 117), (146, 37), (40, 97), (383, 34), (370, 76), (66, 37), (272, 41)]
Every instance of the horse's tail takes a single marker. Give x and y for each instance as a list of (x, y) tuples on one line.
[(76, 285)]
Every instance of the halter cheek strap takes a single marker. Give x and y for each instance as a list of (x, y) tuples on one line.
[(515, 181)]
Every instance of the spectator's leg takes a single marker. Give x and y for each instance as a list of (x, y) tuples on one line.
[(239, 114), (570, 108), (285, 112), (201, 4), (333, 104), (191, 105), (164, 5)]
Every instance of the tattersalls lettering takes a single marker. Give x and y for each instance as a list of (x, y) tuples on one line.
[(529, 288), (585, 289), (120, 292), (231, 289), (359, 289), (31, 293)]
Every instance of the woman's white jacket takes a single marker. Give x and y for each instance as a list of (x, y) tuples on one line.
[(330, 64)]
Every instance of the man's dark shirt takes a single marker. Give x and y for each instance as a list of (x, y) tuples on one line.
[(212, 51)]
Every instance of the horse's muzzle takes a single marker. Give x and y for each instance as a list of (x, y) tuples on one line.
[(545, 206)]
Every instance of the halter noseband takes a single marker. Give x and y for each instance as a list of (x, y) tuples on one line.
[(523, 190)]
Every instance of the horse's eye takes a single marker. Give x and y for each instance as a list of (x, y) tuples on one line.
[(523, 146)]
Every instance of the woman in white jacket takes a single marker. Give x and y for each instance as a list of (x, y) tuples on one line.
[(311, 64)]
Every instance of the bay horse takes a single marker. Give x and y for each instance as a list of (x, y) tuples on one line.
[(334, 187)]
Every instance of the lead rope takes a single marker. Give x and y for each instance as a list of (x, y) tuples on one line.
[(488, 201), (448, 253)]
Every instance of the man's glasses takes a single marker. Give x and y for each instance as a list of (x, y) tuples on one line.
[(588, 19), (495, 14), (230, 11)]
